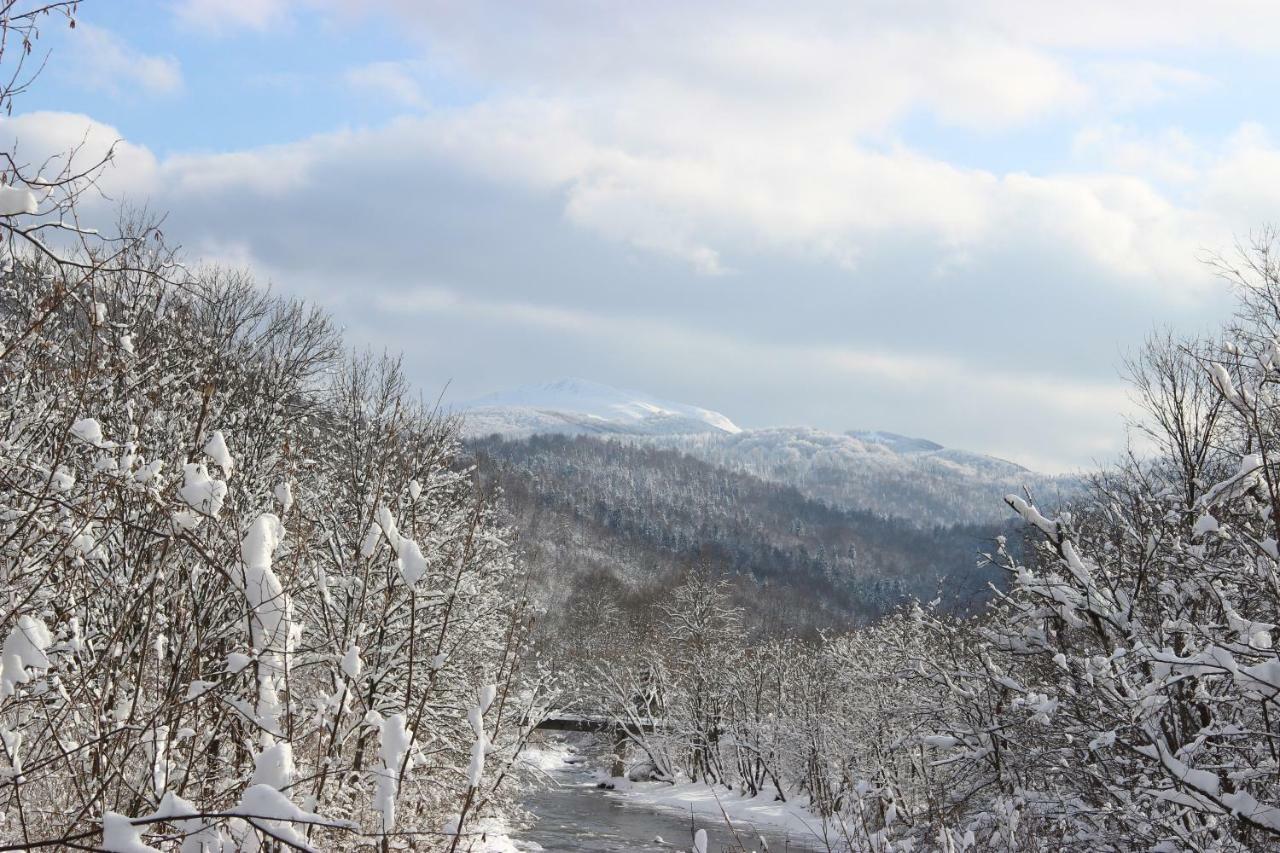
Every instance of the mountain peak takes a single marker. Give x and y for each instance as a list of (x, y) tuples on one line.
[(573, 404)]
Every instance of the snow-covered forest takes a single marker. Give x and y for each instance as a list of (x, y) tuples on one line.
[(607, 518), (929, 487), (260, 595)]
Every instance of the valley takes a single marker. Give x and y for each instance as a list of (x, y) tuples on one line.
[(617, 495)]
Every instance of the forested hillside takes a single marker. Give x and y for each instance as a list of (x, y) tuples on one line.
[(911, 479), (602, 517)]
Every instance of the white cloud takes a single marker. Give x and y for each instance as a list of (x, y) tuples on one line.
[(393, 80), (737, 179), (102, 61), (1246, 180), (1124, 84), (133, 172), (225, 16), (1103, 25), (829, 200), (790, 189), (1168, 156), (857, 66), (978, 63), (707, 132)]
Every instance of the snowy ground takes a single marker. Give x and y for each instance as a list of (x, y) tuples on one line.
[(789, 822), (548, 756), (496, 839), (716, 802)]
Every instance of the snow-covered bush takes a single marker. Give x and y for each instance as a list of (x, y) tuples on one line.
[(249, 596), (248, 593), (1122, 692)]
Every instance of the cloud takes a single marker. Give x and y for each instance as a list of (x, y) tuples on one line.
[(102, 61), (225, 16), (1101, 25), (790, 189), (858, 65), (896, 247), (1168, 156), (989, 64), (40, 136), (1247, 179), (393, 80), (1125, 84), (704, 135), (935, 221)]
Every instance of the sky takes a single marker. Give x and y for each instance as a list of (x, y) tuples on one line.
[(944, 219)]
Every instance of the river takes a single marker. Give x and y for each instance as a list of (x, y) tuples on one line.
[(573, 814)]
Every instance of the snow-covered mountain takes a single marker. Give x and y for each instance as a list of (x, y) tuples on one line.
[(890, 475), (867, 470), (579, 406), (893, 441)]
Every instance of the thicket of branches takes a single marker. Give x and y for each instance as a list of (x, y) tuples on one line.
[(235, 559)]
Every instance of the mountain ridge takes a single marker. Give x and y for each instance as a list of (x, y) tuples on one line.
[(894, 475)]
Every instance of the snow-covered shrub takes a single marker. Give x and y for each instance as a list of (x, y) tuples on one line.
[(248, 595), (1123, 693)]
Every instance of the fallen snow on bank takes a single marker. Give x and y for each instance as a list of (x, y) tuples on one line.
[(549, 756), (762, 813), (489, 836), (713, 803)]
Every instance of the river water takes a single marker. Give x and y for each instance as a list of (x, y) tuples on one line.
[(575, 815)]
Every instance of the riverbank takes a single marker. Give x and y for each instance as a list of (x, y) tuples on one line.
[(573, 813), (747, 815)]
